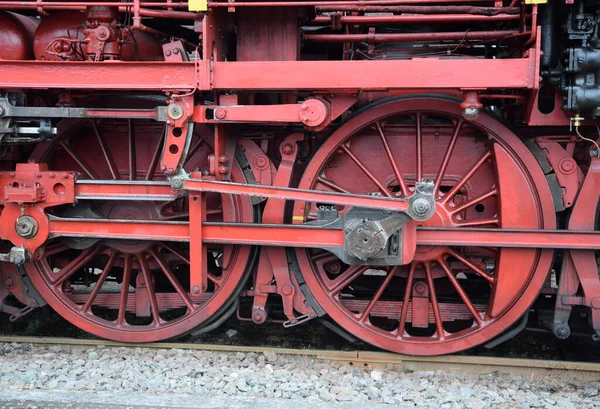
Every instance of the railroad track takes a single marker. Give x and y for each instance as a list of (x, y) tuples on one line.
[(533, 368)]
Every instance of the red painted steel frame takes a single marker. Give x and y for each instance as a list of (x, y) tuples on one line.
[(273, 75)]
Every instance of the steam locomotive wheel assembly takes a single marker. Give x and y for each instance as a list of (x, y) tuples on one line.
[(447, 299), (134, 290), (418, 171)]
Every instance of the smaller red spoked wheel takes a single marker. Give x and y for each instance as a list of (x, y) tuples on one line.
[(134, 290), (448, 298)]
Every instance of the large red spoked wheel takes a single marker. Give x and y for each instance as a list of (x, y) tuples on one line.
[(128, 290), (447, 299)]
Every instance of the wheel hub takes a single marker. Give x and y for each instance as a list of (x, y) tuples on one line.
[(130, 211)]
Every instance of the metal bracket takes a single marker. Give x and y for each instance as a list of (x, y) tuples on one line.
[(7, 110), (17, 255)]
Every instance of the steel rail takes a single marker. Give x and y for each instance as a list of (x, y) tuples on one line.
[(364, 359)]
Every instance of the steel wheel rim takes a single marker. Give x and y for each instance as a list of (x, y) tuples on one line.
[(316, 277), (237, 209)]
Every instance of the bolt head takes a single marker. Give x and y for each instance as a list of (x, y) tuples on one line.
[(175, 111), (470, 113), (420, 288), (177, 183), (220, 113), (562, 332), (261, 162), (421, 206), (567, 166), (195, 290), (26, 226), (259, 317), (287, 148)]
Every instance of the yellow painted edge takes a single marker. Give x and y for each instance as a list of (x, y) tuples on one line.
[(197, 5)]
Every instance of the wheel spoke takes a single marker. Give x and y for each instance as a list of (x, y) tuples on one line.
[(406, 302), (392, 160), (179, 254), (216, 280), (124, 290), (447, 155), (348, 276), (105, 272), (362, 167), (472, 266), (419, 148), (331, 185), (55, 248), (67, 271), (456, 188), (114, 171), (156, 156), (477, 222), (132, 152), (460, 291), (173, 280), (434, 302), (474, 201), (149, 288), (193, 149), (86, 169), (365, 314)]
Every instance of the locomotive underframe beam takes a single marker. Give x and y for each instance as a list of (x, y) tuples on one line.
[(515, 73)]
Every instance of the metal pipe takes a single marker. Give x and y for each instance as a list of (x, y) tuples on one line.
[(359, 3), (405, 37), (184, 15), (547, 21), (368, 7), (407, 19), (534, 28)]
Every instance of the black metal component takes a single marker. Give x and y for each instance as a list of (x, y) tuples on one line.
[(510, 334), (547, 21), (579, 77), (8, 110)]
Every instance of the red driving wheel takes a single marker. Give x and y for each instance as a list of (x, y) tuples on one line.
[(134, 290), (448, 298)]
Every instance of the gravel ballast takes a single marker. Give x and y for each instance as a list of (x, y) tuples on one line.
[(33, 369)]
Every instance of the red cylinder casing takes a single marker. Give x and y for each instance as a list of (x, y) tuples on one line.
[(16, 36), (67, 24)]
